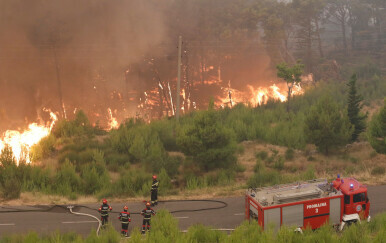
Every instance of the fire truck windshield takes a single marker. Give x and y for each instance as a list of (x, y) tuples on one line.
[(360, 197)]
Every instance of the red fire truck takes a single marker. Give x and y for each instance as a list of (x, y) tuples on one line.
[(308, 204)]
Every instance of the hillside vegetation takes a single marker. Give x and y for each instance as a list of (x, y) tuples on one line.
[(205, 149)]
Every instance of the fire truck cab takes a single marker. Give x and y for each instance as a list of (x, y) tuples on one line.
[(308, 204), (356, 201)]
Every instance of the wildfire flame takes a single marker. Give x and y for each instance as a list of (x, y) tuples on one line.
[(258, 96), (21, 142), (113, 123)]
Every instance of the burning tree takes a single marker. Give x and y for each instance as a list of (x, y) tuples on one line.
[(291, 75)]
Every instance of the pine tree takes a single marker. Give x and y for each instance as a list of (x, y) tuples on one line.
[(326, 127), (377, 131), (357, 119), (208, 141)]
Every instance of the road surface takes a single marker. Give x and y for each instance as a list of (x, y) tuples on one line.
[(59, 219)]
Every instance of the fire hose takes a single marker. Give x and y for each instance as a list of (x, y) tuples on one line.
[(69, 208)]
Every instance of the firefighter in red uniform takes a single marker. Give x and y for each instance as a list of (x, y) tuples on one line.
[(104, 211), (154, 191), (125, 219), (146, 213)]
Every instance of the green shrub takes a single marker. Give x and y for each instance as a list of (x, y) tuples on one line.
[(354, 160), (210, 144), (132, 183), (115, 160), (264, 178), (240, 149), (67, 181), (239, 168), (11, 187), (327, 126), (164, 227), (289, 154), (78, 127), (166, 131), (10, 176), (224, 177), (165, 183), (192, 183), (377, 130), (36, 178), (43, 149), (71, 156), (279, 163), (261, 155), (378, 170), (309, 174), (170, 163), (200, 233), (94, 178), (258, 166)]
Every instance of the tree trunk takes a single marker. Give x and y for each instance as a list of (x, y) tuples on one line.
[(353, 37), (319, 39), (309, 48), (289, 96), (60, 94), (343, 24), (161, 103)]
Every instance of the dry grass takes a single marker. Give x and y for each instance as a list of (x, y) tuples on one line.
[(356, 160)]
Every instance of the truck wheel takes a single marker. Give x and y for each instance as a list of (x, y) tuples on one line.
[(349, 223)]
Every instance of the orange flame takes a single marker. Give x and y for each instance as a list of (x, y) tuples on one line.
[(258, 96), (21, 142), (113, 123)]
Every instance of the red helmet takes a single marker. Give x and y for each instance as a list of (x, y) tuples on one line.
[(148, 204), (125, 208), (154, 177), (104, 201)]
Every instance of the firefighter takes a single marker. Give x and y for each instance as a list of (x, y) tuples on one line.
[(125, 219), (146, 213), (104, 211), (154, 191)]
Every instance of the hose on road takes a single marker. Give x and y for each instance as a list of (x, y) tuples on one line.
[(70, 209), (224, 205), (65, 207), (88, 215)]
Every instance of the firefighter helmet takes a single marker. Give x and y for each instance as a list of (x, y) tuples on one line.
[(104, 201), (154, 177), (148, 204), (125, 208)]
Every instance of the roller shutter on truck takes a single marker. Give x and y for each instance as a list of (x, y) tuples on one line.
[(335, 205), (272, 216), (293, 215)]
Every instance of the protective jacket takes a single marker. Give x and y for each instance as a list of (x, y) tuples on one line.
[(154, 186), (147, 212), (104, 210), (124, 217)]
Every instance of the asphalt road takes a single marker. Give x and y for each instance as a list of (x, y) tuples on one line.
[(59, 219)]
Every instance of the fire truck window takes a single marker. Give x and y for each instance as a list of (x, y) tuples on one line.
[(346, 199), (360, 197)]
